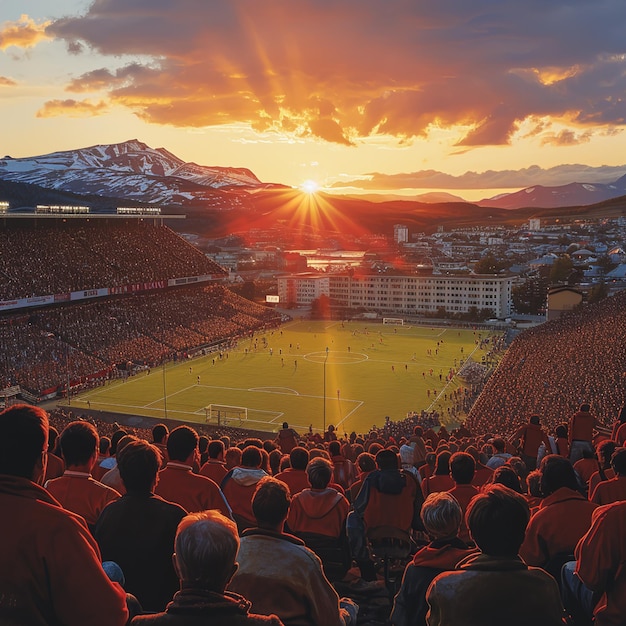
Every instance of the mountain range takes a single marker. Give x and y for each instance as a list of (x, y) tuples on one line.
[(221, 200)]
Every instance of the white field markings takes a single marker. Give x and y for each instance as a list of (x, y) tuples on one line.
[(438, 397)]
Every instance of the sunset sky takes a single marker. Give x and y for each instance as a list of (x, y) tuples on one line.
[(366, 95)]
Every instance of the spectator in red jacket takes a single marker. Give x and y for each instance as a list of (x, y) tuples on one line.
[(50, 565), (580, 430), (177, 482), (613, 490), (239, 485), (76, 490), (215, 467), (462, 468), (527, 439), (563, 517), (295, 476)]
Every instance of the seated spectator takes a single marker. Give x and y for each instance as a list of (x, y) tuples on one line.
[(389, 497), (215, 467), (594, 586), (137, 531), (486, 588), (534, 495), (203, 448), (507, 476), (318, 516), (318, 509), (344, 473), (604, 452), (482, 473), (462, 472), (76, 490), (500, 456), (295, 476), (160, 433), (112, 477), (277, 573), (50, 565), (239, 485), (232, 458), (55, 466), (613, 490), (563, 517), (177, 483), (365, 464), (103, 452), (440, 479), (111, 461), (441, 516), (586, 466), (205, 550)]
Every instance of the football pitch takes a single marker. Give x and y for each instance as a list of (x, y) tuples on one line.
[(307, 373)]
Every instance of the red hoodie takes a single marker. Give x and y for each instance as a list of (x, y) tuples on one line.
[(321, 511)]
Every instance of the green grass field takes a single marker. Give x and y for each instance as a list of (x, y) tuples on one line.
[(351, 375)]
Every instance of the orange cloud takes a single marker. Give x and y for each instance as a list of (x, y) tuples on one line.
[(7, 82), (24, 33), (359, 68), (72, 108)]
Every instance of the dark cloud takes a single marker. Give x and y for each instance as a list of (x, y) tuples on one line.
[(343, 70), (534, 175)]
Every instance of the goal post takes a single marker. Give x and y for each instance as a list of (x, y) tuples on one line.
[(224, 414), (393, 321)]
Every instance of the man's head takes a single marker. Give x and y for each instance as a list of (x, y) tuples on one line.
[(387, 460), (23, 442), (618, 461), (216, 450), (285, 425), (534, 419), (334, 448), (556, 472), (159, 433), (604, 451), (365, 462), (320, 472), (206, 547), (251, 457), (441, 515), (270, 503), (299, 458), (115, 439), (79, 442), (497, 519), (585, 407), (498, 445), (182, 444), (139, 463), (462, 468)]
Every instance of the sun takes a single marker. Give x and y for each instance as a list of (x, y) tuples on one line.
[(310, 186)]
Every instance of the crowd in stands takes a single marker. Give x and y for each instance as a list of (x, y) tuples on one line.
[(59, 257), (553, 367), (44, 348), (476, 520)]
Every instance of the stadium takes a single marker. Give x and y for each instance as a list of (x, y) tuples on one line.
[(92, 308)]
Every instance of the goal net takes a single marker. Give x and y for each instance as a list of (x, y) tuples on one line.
[(224, 414), (393, 321)]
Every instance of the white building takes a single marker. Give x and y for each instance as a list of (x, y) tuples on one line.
[(400, 233), (402, 295), (302, 289)]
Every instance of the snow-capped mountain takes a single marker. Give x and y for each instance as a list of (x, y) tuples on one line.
[(130, 170), (573, 194)]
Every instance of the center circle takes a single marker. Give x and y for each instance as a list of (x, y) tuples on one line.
[(336, 358)]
